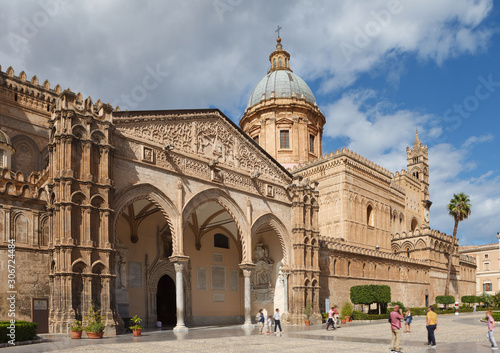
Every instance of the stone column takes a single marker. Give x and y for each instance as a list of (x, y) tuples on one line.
[(247, 269), (179, 263), (285, 290)]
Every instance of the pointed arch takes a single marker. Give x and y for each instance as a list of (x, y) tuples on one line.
[(283, 235), (225, 200), (152, 194)]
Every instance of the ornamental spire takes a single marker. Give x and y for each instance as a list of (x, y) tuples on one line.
[(417, 141)]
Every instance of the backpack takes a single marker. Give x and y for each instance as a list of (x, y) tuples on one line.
[(390, 319)]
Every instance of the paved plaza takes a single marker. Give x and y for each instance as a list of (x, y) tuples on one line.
[(463, 333)]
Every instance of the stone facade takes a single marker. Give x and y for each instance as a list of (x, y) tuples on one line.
[(182, 217)]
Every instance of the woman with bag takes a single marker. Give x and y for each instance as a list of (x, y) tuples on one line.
[(408, 319)]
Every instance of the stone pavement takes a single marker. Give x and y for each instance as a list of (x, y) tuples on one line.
[(463, 333)]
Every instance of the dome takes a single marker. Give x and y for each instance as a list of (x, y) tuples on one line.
[(4, 138), (283, 83)]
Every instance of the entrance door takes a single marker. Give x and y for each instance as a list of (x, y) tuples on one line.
[(166, 310)]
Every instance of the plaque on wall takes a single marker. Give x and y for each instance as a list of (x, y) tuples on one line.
[(201, 278), (147, 154), (134, 274), (219, 297), (218, 277), (233, 280), (217, 257)]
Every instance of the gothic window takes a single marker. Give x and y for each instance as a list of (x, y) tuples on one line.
[(375, 272), (414, 224), (335, 267), (311, 143), (369, 215), (221, 241), (415, 160), (364, 270), (407, 252), (284, 139), (349, 268)]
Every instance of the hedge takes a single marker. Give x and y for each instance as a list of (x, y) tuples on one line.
[(445, 299), (370, 294), (358, 315), (470, 299), (24, 331)]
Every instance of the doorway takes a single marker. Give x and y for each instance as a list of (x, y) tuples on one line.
[(166, 309)]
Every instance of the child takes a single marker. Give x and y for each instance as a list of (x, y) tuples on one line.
[(491, 329), (270, 325)]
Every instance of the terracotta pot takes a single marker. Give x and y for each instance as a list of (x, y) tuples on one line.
[(95, 334), (137, 332), (307, 322), (76, 334), (348, 319), (343, 321)]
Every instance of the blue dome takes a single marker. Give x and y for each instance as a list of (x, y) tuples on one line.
[(283, 83)]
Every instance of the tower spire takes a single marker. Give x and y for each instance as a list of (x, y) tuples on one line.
[(417, 141)]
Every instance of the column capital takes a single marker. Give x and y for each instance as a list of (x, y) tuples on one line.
[(179, 259), (247, 268)]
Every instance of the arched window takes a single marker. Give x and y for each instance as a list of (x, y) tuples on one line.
[(274, 63), (414, 224), (280, 62), (335, 266), (349, 268), (375, 272), (389, 272), (221, 241), (364, 266), (407, 252), (369, 215)]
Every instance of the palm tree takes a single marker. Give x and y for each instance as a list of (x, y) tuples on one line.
[(460, 209)]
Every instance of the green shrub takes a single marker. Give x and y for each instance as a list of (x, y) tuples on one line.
[(370, 294), (445, 299), (324, 316), (94, 320), (470, 299), (401, 305), (24, 331), (347, 309), (358, 315), (418, 311), (496, 316), (308, 310)]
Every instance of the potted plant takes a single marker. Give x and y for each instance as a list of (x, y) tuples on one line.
[(307, 313), (95, 326), (136, 328), (342, 319), (76, 329), (347, 310)]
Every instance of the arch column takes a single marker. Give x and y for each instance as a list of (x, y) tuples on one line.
[(247, 269), (179, 263)]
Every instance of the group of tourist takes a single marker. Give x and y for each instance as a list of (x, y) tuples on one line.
[(269, 322), (431, 321)]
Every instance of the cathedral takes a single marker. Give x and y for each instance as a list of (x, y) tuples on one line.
[(184, 217)]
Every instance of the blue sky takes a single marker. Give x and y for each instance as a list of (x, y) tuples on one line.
[(379, 71)]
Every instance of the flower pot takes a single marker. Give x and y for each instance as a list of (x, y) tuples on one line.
[(307, 322), (137, 332), (348, 319), (76, 334), (95, 334)]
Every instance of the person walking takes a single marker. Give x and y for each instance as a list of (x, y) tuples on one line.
[(408, 319), (331, 317), (491, 329), (277, 320), (431, 320), (260, 319), (395, 318)]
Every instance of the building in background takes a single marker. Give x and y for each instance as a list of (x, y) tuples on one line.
[(488, 265)]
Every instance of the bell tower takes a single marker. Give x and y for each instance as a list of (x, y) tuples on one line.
[(418, 166)]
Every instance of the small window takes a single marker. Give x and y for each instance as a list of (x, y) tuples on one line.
[(284, 139), (486, 266), (369, 215), (485, 256), (256, 139), (349, 268), (274, 63), (221, 241), (311, 143), (487, 287)]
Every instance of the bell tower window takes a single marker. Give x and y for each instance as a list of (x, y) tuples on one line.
[(284, 139)]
